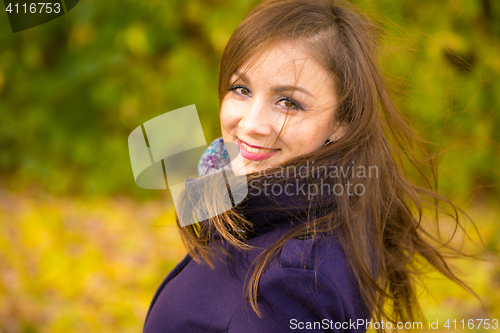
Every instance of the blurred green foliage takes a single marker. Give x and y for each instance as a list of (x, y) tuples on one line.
[(71, 90), (75, 256)]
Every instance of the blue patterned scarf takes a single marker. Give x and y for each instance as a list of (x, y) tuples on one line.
[(214, 158)]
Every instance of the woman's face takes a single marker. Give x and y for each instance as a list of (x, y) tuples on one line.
[(281, 108)]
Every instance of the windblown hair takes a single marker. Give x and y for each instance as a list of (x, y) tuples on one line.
[(380, 231)]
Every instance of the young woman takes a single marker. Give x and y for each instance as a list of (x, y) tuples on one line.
[(329, 235)]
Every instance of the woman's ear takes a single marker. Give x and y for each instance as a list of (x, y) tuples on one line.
[(340, 131)]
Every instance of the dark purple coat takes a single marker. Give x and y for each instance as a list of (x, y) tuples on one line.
[(309, 287)]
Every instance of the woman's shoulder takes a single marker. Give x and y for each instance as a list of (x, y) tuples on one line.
[(318, 252), (324, 260), (321, 255), (309, 285), (310, 281)]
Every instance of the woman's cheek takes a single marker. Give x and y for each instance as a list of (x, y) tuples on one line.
[(229, 115)]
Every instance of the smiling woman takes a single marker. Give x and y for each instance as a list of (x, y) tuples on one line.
[(301, 94), (285, 85)]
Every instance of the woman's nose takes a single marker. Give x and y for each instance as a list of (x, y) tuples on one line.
[(257, 119)]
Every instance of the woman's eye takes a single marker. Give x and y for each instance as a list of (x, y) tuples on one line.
[(289, 104), (241, 90)]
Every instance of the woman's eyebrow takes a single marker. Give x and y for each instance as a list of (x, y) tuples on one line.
[(278, 89), (281, 89), (241, 77)]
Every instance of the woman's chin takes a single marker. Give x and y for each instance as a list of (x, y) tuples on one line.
[(240, 169)]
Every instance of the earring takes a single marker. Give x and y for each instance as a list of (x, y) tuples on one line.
[(327, 142)]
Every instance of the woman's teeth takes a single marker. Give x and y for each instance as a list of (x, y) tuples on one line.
[(257, 150)]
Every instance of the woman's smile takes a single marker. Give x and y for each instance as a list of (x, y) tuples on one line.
[(255, 153)]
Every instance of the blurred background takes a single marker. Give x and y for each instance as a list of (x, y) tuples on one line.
[(83, 249)]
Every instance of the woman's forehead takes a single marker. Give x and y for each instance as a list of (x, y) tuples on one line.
[(285, 63)]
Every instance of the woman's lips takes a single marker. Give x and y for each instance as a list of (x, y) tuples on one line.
[(255, 153)]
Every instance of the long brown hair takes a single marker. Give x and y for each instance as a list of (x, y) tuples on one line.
[(380, 231)]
